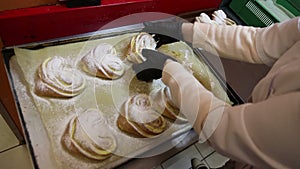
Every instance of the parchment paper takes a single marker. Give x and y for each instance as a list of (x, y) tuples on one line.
[(105, 95)]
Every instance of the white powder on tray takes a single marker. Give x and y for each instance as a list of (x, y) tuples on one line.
[(55, 113)]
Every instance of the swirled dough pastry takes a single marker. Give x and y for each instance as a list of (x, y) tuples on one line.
[(141, 41), (57, 78), (162, 103), (102, 61), (139, 118), (89, 135)]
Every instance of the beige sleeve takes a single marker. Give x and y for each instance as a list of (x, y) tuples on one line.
[(249, 44), (265, 134)]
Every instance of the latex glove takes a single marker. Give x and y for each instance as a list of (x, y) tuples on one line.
[(152, 67), (219, 16), (204, 18), (171, 28)]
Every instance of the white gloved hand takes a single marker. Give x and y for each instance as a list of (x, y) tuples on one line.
[(219, 16), (204, 18), (202, 109)]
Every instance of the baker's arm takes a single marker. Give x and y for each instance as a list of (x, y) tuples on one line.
[(193, 99), (264, 134), (250, 44)]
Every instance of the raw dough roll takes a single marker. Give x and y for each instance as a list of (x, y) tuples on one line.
[(102, 61), (162, 103), (139, 42), (57, 78), (89, 135), (139, 118)]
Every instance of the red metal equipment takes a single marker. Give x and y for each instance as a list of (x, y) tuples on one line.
[(47, 22)]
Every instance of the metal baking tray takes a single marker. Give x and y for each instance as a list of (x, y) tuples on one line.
[(32, 123)]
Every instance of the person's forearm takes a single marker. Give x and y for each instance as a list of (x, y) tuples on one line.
[(187, 32), (244, 43), (263, 134), (233, 42), (275, 40)]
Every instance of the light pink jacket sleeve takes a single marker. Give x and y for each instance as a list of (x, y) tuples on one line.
[(264, 133), (249, 44)]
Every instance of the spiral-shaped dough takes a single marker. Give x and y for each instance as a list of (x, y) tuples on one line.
[(139, 42), (162, 103), (102, 61), (57, 78), (89, 135), (139, 118)]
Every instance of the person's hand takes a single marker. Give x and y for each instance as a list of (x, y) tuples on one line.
[(152, 67), (172, 28)]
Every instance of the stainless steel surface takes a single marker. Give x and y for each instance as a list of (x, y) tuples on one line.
[(182, 159), (204, 149), (216, 160)]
